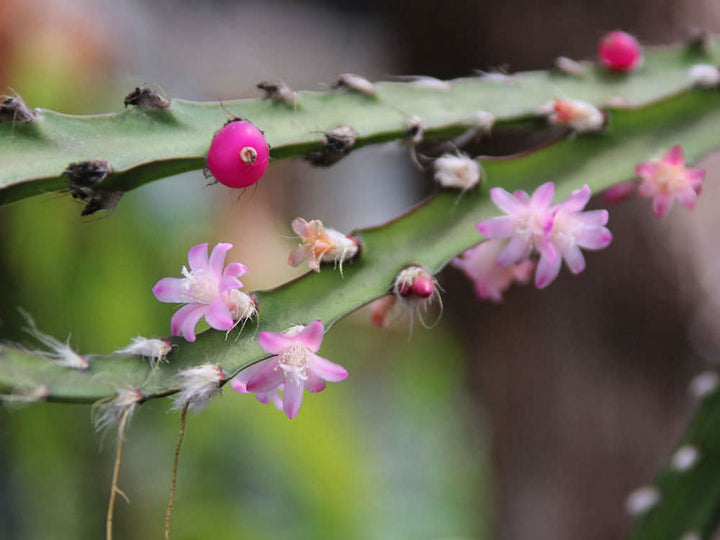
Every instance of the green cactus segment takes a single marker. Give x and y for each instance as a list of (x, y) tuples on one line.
[(429, 235), (689, 498), (142, 145)]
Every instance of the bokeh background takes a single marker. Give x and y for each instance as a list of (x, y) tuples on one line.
[(529, 419)]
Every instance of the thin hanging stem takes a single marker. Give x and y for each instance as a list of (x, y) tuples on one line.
[(173, 483), (114, 489)]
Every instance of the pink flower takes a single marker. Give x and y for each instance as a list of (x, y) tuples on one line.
[(293, 368), (571, 230), (527, 224), (668, 178), (478, 263), (208, 290)]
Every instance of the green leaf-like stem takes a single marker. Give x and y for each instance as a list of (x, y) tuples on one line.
[(430, 235), (142, 145)]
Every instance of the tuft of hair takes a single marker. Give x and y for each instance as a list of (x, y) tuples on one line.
[(423, 81), (704, 76), (278, 92), (154, 349), (337, 144), (145, 97), (685, 458), (704, 384), (13, 109), (25, 395), (108, 412), (198, 386), (457, 171), (641, 500), (61, 353), (568, 66), (414, 130), (356, 83)]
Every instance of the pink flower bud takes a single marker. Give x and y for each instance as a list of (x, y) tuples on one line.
[(619, 51), (238, 155), (423, 286)]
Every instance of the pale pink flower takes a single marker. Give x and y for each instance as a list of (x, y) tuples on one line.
[(491, 281), (320, 244), (208, 290), (571, 230), (239, 384), (668, 178), (293, 367), (527, 224)]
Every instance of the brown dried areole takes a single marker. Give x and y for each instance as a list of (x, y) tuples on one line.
[(148, 98)]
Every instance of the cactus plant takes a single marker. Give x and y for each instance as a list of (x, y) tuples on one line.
[(645, 114)]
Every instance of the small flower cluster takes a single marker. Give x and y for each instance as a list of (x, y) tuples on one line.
[(532, 224)]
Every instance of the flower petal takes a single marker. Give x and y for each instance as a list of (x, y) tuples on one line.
[(543, 195), (235, 269), (239, 382), (312, 335), (267, 376), (647, 169), (695, 176), (314, 384), (577, 200), (497, 227), (292, 396), (593, 218), (300, 226), (228, 283), (327, 370), (275, 343), (505, 201), (594, 238), (662, 204), (675, 156), (574, 258), (218, 316), (620, 192), (687, 196), (185, 319), (298, 255), (547, 270), (217, 258), (197, 257), (516, 250), (169, 290)]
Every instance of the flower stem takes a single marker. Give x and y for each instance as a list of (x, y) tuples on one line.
[(114, 489), (173, 483)]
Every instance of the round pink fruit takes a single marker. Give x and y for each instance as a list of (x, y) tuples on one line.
[(620, 51), (423, 286), (238, 155)]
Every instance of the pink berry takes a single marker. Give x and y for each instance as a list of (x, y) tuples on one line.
[(620, 51), (238, 155), (423, 286)]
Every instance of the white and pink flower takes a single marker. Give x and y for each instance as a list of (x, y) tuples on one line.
[(532, 224), (293, 368), (667, 179), (208, 290)]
